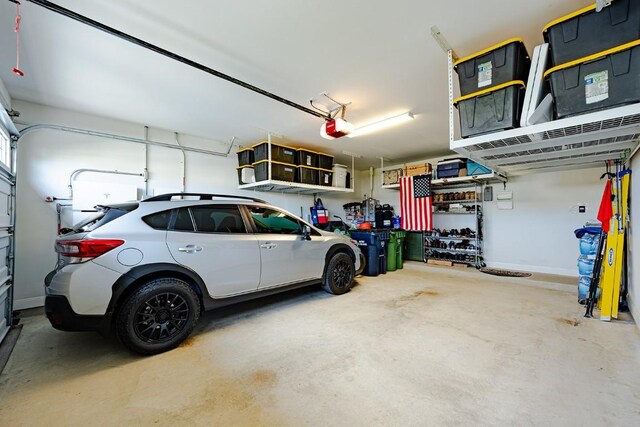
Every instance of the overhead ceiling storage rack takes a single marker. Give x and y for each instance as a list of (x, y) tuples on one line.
[(295, 187), (569, 143), (292, 187)]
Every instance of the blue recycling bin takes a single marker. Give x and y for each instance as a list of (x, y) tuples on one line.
[(373, 245)]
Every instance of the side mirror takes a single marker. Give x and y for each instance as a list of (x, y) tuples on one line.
[(306, 232)]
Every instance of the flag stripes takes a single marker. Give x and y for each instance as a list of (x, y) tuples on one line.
[(416, 212)]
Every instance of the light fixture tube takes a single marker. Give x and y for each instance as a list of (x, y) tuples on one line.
[(382, 124)]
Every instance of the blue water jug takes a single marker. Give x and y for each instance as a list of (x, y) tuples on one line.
[(583, 286), (585, 265)]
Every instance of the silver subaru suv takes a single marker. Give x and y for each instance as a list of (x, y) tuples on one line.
[(146, 270)]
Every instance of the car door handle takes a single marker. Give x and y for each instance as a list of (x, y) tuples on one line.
[(269, 246), (190, 249)]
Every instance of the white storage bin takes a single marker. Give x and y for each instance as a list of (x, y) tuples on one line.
[(339, 176)]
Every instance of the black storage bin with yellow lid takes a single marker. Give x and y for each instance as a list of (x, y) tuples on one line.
[(585, 32), (600, 81), (325, 161), (279, 153), (279, 171), (491, 110), (245, 157), (496, 65), (307, 175), (306, 157), (325, 177)]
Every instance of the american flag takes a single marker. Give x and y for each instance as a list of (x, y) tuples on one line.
[(415, 203)]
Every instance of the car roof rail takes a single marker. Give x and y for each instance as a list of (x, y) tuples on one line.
[(203, 196)]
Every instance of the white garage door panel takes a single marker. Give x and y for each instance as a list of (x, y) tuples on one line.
[(5, 202), (5, 318), (5, 244)]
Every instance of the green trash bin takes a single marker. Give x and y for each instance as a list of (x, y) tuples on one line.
[(400, 234), (414, 250), (392, 250)]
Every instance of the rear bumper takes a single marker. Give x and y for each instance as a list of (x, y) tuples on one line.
[(62, 317)]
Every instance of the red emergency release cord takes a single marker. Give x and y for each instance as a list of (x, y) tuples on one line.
[(16, 69)]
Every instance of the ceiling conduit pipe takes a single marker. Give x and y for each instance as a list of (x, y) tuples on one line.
[(77, 172), (32, 128)]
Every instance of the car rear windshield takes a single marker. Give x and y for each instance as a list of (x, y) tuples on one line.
[(105, 215)]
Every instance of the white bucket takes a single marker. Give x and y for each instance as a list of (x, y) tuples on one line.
[(339, 176)]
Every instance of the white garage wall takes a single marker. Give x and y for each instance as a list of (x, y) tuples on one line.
[(634, 241), (537, 235), (46, 158)]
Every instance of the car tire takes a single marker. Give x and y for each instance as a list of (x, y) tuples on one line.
[(158, 316), (339, 274)]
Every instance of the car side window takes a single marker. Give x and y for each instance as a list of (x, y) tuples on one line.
[(158, 220), (268, 220), (183, 221), (218, 219)]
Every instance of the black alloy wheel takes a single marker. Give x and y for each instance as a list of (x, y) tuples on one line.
[(161, 317), (157, 316), (339, 274)]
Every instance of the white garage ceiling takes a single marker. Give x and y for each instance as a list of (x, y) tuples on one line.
[(379, 55)]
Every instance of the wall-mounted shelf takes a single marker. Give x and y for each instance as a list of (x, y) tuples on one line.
[(392, 186), (292, 187), (295, 187), (492, 177), (461, 181), (453, 202), (453, 213), (570, 143)]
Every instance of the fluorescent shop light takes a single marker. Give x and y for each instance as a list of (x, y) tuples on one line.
[(381, 124)]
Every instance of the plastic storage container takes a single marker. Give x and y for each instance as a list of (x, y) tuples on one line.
[(339, 176), (245, 157), (586, 31), (325, 161), (603, 80), (246, 174), (279, 171), (491, 110), (496, 65), (450, 168), (307, 175), (279, 153), (306, 157), (474, 168), (325, 177)]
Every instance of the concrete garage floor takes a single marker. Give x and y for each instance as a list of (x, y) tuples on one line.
[(421, 346)]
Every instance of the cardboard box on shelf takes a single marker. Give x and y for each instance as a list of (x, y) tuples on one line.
[(419, 169)]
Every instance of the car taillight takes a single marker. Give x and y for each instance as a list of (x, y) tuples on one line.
[(84, 250)]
